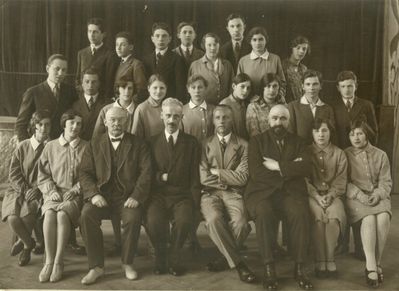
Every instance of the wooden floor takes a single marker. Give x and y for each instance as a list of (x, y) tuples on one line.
[(351, 271)]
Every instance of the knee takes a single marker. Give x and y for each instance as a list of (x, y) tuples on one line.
[(131, 217), (213, 218), (13, 219), (62, 215), (240, 223)]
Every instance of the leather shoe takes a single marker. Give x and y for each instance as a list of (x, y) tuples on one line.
[(176, 270), (77, 249), (160, 270), (245, 274), (24, 257), (39, 249), (301, 278), (218, 265), (270, 278), (56, 274), (130, 272), (17, 247), (92, 276)]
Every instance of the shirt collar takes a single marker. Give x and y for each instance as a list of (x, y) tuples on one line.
[(305, 101), (152, 102), (92, 46), (121, 136), (64, 142), (87, 97), (126, 58), (326, 150), (52, 84), (202, 105), (174, 135), (129, 109), (226, 137), (351, 100), (236, 41), (254, 56), (162, 52), (368, 148), (34, 143), (184, 48)]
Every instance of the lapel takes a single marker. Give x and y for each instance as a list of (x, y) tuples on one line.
[(105, 149), (124, 148), (231, 151), (215, 146), (83, 107), (356, 108), (49, 93)]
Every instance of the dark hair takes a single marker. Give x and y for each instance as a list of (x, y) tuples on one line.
[(91, 71), (36, 118), (160, 25), (96, 21), (268, 78), (195, 78), (125, 34), (311, 74), (317, 123), (234, 16), (240, 78), (346, 75), (54, 57), (257, 30), (209, 34), (69, 115), (122, 82), (183, 24), (156, 77), (300, 39), (362, 124)]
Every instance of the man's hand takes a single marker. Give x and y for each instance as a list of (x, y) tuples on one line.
[(131, 203), (32, 194), (55, 196), (214, 171), (271, 164), (99, 201), (164, 177)]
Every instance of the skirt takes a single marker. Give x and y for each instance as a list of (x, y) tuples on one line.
[(14, 204), (71, 207), (357, 210)]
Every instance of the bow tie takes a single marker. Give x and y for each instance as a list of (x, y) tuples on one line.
[(119, 139)]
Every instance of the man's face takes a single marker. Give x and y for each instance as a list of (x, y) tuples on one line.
[(187, 35), (116, 122), (311, 86), (223, 121), (57, 70), (196, 91), (347, 88), (94, 34), (160, 39), (122, 47), (72, 128), (90, 84), (242, 90), (171, 116), (236, 28), (278, 119)]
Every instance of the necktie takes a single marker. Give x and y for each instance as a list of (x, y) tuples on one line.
[(237, 50), (170, 142), (223, 145), (90, 103), (280, 144), (348, 105), (159, 56), (187, 54), (119, 139), (93, 51), (56, 91)]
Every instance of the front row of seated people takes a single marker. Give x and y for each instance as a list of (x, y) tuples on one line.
[(165, 179)]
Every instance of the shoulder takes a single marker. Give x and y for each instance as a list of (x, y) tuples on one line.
[(273, 56), (241, 141)]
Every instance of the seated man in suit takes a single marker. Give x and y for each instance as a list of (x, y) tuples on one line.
[(90, 102), (236, 47), (224, 174), (52, 95), (95, 55), (165, 62), (175, 191), (115, 176), (278, 165)]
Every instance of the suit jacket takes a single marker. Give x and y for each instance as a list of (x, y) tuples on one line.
[(361, 109), (41, 97), (87, 60), (233, 165), (181, 165), (227, 52), (134, 168), (294, 163), (172, 68), (89, 116), (195, 55)]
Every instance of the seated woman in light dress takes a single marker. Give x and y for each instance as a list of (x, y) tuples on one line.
[(58, 181), (326, 186), (368, 197)]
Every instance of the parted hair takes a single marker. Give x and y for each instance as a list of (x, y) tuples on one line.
[(161, 25), (36, 118), (363, 125), (126, 35), (96, 21), (311, 74), (258, 30), (346, 75), (54, 57), (300, 39), (195, 78), (69, 115), (209, 34)]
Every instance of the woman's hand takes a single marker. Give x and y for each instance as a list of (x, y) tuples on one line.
[(374, 199), (55, 196)]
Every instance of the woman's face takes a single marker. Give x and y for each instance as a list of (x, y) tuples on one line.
[(358, 138), (299, 52), (196, 91), (258, 43), (42, 129), (322, 135), (157, 90), (270, 91), (72, 128), (126, 93), (211, 47)]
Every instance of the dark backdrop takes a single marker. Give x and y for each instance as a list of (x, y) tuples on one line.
[(345, 34)]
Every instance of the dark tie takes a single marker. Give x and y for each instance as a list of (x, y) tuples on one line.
[(93, 51), (348, 106), (223, 145), (56, 92), (237, 50), (280, 145), (187, 54), (90, 103), (119, 139), (171, 145), (159, 57)]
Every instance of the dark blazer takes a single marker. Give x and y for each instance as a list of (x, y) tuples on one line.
[(86, 60), (172, 68), (89, 116), (134, 170), (227, 52), (294, 164), (182, 166), (41, 97), (195, 55), (361, 109)]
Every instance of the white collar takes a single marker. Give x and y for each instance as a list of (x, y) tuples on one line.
[(52, 84), (226, 137), (162, 52), (64, 142), (120, 136), (87, 97), (93, 46), (303, 100), (126, 58), (174, 135), (129, 109), (34, 143), (351, 100), (202, 105), (254, 56), (184, 48), (236, 41)]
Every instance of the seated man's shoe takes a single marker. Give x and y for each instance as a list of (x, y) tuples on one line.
[(56, 274), (270, 278), (130, 272), (245, 274), (93, 276), (301, 277), (160, 269), (17, 247), (45, 273), (24, 257), (39, 249), (218, 265), (176, 270), (77, 249)]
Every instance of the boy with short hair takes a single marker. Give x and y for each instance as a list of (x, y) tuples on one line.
[(187, 34)]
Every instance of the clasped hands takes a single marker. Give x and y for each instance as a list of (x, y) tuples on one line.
[(324, 200), (369, 200), (99, 201)]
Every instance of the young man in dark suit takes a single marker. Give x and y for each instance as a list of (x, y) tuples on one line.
[(95, 54), (52, 95), (186, 33), (236, 47), (167, 63), (115, 176), (176, 189)]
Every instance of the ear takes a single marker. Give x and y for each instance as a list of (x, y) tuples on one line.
[(233, 86), (47, 68), (131, 47)]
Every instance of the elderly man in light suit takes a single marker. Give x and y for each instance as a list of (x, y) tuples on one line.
[(224, 174)]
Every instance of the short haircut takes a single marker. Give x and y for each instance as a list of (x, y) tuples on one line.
[(346, 75), (91, 71), (234, 16), (36, 118), (258, 30), (122, 82), (183, 24), (126, 35), (96, 21), (269, 78), (312, 74), (172, 102), (241, 78), (362, 124), (300, 39), (195, 78), (69, 115), (222, 107), (119, 110), (319, 121), (160, 25), (156, 77), (209, 34), (54, 57)]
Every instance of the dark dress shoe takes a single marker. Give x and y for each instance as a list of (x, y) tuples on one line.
[(16, 248), (39, 249), (301, 277), (218, 265), (270, 278), (245, 274), (176, 270), (371, 282), (24, 257), (160, 269), (77, 249)]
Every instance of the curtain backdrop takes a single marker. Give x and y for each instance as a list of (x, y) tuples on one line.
[(344, 34)]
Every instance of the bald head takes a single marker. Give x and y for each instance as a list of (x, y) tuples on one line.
[(116, 121), (279, 117)]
